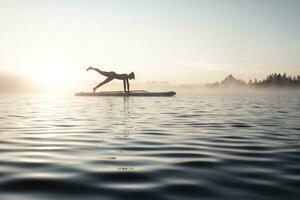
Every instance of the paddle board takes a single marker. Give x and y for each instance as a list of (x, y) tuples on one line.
[(140, 93)]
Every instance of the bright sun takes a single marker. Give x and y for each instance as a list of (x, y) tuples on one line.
[(49, 76)]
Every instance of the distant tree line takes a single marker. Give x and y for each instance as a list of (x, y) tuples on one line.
[(273, 80), (277, 80)]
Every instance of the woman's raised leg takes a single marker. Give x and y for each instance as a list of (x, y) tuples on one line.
[(104, 73)]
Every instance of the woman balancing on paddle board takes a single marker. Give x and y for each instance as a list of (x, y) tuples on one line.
[(111, 76)]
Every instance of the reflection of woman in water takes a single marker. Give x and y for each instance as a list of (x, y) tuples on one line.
[(113, 75)]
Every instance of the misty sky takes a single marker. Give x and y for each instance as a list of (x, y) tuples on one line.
[(180, 41)]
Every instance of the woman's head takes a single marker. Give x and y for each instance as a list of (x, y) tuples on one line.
[(131, 75)]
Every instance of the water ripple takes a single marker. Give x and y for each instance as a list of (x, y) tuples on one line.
[(200, 146)]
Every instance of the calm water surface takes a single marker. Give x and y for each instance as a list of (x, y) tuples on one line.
[(208, 146)]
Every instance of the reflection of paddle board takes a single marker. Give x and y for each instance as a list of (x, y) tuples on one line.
[(139, 93)]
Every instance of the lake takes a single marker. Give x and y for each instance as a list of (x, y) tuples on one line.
[(191, 146)]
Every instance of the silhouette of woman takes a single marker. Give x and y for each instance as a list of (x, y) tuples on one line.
[(113, 75)]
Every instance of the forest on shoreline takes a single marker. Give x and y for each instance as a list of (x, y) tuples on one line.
[(274, 80)]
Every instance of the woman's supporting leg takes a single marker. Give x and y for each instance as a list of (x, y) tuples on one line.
[(102, 83)]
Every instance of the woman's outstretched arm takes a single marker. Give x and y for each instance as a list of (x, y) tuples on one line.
[(124, 84), (127, 81)]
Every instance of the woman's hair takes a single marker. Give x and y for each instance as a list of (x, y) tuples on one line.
[(131, 75)]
